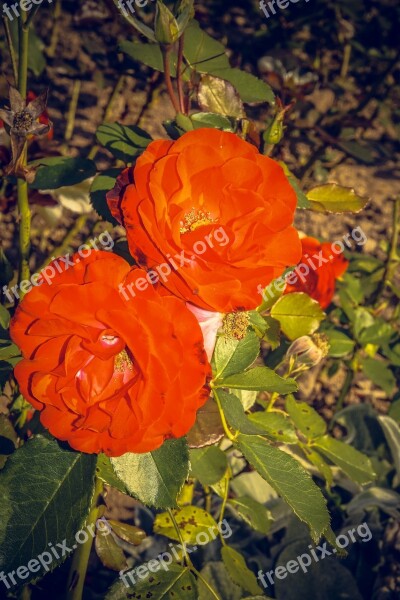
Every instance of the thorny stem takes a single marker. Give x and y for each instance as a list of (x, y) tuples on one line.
[(77, 574), (179, 74), (166, 51), (22, 185)]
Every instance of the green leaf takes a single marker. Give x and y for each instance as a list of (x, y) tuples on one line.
[(238, 570), (4, 317), (157, 477), (379, 374), (276, 426), (235, 415), (289, 479), (45, 495), (234, 356), (127, 533), (394, 411), (335, 198), (125, 143), (302, 200), (109, 552), (106, 473), (356, 466), (216, 575), (391, 429), (103, 183), (340, 344), (272, 333), (202, 52), (259, 378), (298, 314), (59, 171), (379, 333), (219, 96), (250, 88), (191, 521), (175, 583), (149, 54), (306, 419), (210, 120), (208, 465), (317, 460), (252, 512)]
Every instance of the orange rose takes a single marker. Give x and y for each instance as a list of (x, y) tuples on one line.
[(214, 211), (319, 283), (109, 374)]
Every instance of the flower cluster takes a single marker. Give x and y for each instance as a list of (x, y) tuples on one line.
[(117, 375)]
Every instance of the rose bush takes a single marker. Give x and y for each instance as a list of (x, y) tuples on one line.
[(217, 207), (109, 374), (319, 283)]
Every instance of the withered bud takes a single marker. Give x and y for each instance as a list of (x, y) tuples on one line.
[(309, 351)]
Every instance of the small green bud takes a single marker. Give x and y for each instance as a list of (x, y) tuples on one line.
[(166, 28)]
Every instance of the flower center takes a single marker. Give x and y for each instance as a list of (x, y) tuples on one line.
[(22, 121), (122, 362), (194, 219)]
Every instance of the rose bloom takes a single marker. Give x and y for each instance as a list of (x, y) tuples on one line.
[(216, 211), (109, 374), (319, 283)]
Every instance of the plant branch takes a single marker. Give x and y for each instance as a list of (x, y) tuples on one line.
[(228, 433), (179, 74), (166, 52), (22, 185)]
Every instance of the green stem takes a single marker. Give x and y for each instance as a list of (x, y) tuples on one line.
[(76, 90), (179, 534), (228, 432), (393, 257), (22, 185), (77, 574)]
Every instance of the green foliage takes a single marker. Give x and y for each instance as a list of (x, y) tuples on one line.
[(157, 477), (56, 172), (103, 183), (124, 142), (259, 378), (191, 521), (208, 465), (253, 513), (44, 501), (290, 479), (335, 199), (233, 356), (238, 570), (298, 314), (177, 583)]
